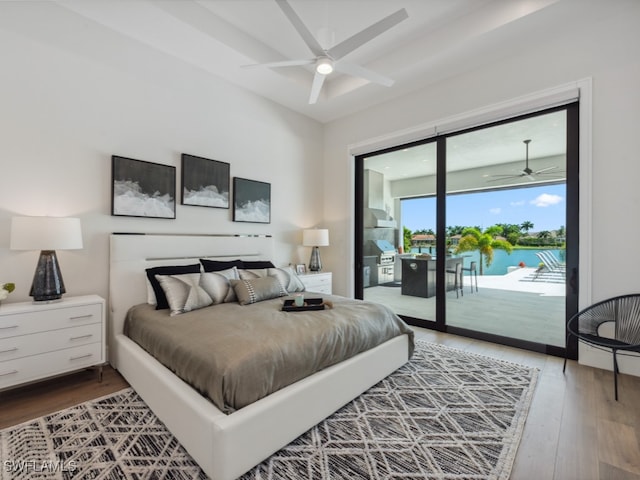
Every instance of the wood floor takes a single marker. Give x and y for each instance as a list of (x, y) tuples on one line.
[(575, 430)]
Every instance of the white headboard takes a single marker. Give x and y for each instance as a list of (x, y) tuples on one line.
[(131, 254)]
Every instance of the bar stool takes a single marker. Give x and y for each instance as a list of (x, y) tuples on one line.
[(473, 273), (457, 278)]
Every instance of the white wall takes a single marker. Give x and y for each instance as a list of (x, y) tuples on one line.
[(601, 44), (63, 114)]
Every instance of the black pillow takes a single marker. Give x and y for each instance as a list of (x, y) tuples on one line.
[(218, 265), (257, 264), (161, 298)]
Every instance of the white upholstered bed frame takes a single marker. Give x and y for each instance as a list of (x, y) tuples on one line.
[(225, 446)]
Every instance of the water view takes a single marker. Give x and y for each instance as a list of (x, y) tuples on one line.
[(502, 260)]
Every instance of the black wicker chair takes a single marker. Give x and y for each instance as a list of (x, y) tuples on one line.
[(622, 313)]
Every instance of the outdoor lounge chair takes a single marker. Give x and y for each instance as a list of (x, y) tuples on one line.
[(551, 262), (612, 324)]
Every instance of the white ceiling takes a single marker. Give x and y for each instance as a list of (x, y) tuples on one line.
[(439, 39), (497, 150)]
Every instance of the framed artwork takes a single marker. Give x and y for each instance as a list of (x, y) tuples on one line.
[(142, 189), (301, 269), (205, 182), (251, 201)]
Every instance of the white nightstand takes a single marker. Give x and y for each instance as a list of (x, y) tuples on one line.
[(317, 282), (39, 340)]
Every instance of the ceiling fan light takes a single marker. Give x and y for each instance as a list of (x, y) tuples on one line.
[(324, 66)]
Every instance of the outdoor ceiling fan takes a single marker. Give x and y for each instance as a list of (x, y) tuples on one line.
[(326, 61), (549, 172)]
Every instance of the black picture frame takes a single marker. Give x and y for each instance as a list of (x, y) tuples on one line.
[(251, 201), (142, 189), (205, 182)]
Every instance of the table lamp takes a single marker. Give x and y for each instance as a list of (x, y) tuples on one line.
[(316, 237), (46, 234)]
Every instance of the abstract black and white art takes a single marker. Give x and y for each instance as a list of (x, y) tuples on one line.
[(251, 201), (205, 182), (142, 189)]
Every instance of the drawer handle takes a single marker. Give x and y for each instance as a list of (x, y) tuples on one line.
[(9, 327), (80, 337), (80, 357), (81, 317), (12, 372), (9, 350)]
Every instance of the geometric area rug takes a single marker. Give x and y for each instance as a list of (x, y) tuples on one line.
[(446, 414)]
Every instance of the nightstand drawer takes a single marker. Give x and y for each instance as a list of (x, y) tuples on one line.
[(317, 282), (14, 372), (46, 319), (36, 343)]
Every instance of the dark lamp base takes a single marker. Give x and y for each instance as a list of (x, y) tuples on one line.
[(315, 264), (47, 281)]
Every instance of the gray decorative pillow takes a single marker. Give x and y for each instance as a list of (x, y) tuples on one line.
[(218, 286), (184, 292), (288, 278), (257, 289)]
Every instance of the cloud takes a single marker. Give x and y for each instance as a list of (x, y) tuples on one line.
[(495, 211), (546, 200), (517, 204)]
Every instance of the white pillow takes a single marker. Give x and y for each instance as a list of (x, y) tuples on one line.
[(184, 292), (217, 285), (251, 273), (288, 278), (151, 295)]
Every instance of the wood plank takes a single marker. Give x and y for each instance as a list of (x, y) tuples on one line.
[(34, 400), (618, 446), (542, 430)]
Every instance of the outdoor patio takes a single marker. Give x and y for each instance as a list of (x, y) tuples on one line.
[(519, 304)]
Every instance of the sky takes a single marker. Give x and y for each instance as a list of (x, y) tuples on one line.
[(543, 206)]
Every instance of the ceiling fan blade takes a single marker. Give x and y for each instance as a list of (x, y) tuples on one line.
[(284, 63), (504, 177), (318, 80), (361, 72), (538, 172), (350, 44), (301, 28)]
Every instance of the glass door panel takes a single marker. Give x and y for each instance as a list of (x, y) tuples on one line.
[(506, 239), (399, 217)]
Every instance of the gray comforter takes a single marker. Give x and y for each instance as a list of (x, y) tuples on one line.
[(237, 354)]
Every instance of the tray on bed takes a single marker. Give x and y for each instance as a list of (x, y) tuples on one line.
[(309, 304)]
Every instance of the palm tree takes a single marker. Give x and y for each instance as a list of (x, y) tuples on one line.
[(526, 226), (485, 242), (406, 239)]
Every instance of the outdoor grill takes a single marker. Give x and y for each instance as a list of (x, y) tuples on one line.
[(385, 254)]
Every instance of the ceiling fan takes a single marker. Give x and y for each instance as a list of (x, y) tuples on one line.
[(549, 172), (326, 61)]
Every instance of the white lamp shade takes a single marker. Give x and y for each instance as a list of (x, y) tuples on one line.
[(45, 233), (316, 237)]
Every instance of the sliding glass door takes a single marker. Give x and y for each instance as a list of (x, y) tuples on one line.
[(475, 232), (399, 241), (506, 229)]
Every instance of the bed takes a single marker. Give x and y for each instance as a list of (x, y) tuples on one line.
[(226, 445)]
